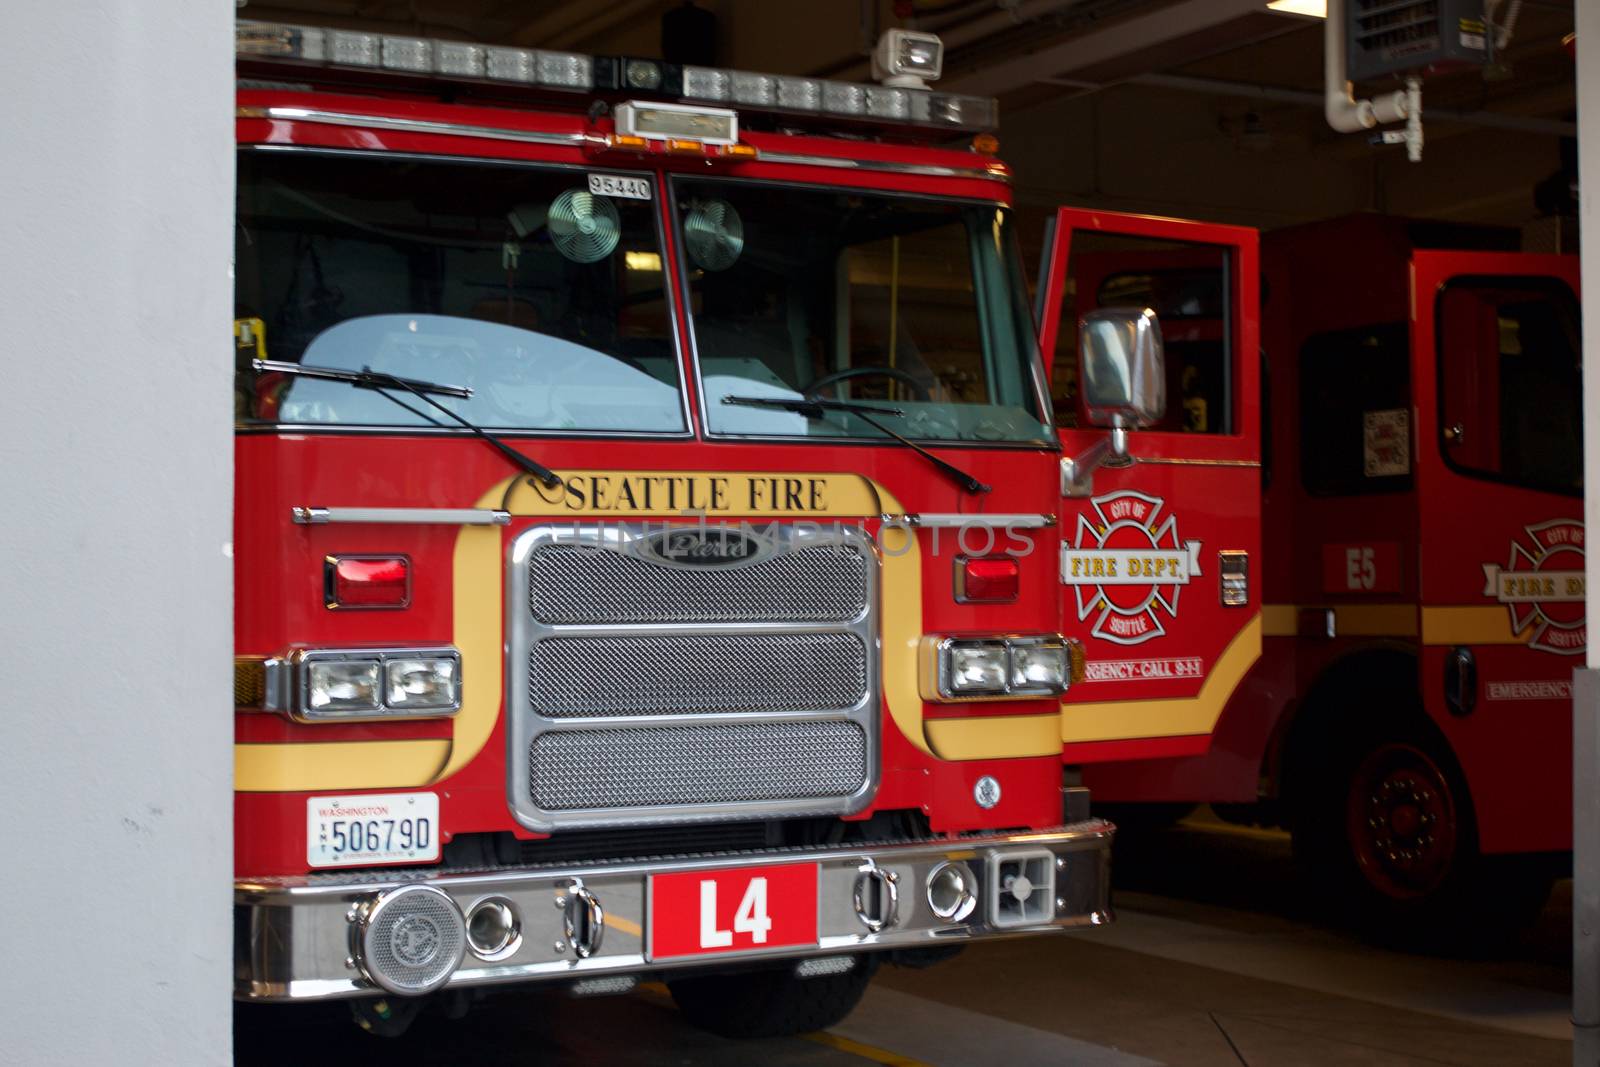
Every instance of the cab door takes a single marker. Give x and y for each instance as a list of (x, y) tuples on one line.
[(1160, 558), (1499, 442)]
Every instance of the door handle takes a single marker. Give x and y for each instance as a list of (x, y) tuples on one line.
[(1455, 433), (1460, 681)]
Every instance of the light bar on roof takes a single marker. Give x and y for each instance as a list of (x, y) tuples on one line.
[(575, 72)]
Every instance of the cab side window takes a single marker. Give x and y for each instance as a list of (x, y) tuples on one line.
[(1187, 285), (1510, 382)]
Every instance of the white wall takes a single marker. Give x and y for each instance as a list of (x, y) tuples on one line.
[(116, 178), (1586, 706), (1588, 27)]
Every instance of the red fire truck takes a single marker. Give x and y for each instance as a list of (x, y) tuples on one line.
[(1403, 700), (647, 532)]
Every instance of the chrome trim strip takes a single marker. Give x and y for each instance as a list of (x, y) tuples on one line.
[(924, 169), (336, 429), (930, 520), (383, 122), (1173, 461), (501, 133), (293, 933), (304, 516)]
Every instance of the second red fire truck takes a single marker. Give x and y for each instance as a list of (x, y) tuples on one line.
[(1401, 697)]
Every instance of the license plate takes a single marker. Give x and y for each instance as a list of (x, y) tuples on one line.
[(365, 831), (704, 913), (611, 185)]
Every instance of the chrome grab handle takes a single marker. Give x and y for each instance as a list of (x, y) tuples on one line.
[(584, 921), (883, 911)]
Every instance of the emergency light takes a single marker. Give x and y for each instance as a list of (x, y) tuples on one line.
[(908, 60), (987, 580), (367, 581)]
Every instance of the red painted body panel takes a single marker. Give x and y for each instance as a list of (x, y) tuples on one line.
[(279, 565), (1516, 753), (1149, 642)]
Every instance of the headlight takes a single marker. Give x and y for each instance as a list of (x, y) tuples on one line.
[(333, 687), (422, 683), (995, 668), (344, 685), (976, 668), (1039, 665)]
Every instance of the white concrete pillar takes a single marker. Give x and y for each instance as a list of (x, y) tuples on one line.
[(116, 186), (1586, 691)]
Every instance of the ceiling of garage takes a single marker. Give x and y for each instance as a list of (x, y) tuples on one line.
[(1219, 80)]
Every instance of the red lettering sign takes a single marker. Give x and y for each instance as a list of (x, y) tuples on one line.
[(1373, 567)]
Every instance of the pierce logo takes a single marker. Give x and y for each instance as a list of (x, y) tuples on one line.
[(705, 546), (1128, 565), (1542, 586)]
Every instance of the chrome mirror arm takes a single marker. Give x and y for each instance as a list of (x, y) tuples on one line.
[(1077, 472)]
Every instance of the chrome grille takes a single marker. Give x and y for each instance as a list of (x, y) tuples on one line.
[(586, 584), (725, 763), (749, 687), (696, 673)]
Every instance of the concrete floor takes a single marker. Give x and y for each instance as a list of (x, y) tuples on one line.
[(1199, 969)]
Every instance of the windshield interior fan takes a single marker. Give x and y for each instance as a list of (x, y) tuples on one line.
[(585, 228), (714, 234)]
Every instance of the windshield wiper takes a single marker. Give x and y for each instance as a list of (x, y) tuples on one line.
[(381, 382), (813, 407)]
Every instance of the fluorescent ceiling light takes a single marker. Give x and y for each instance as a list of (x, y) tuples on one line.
[(1317, 9)]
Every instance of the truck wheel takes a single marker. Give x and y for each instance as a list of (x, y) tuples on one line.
[(1404, 823), (771, 1003), (1387, 831)]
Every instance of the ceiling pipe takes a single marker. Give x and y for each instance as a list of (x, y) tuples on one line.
[(1217, 87), (1345, 113)]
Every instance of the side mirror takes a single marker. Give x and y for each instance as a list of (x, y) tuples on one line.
[(1124, 376), (1124, 381)]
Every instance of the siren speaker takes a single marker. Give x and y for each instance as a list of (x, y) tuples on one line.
[(410, 940)]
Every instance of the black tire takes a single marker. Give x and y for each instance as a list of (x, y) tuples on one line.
[(771, 1003), (1385, 835)]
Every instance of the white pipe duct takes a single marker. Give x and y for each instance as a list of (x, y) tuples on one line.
[(1345, 113)]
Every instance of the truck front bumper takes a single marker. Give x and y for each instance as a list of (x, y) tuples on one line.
[(346, 935)]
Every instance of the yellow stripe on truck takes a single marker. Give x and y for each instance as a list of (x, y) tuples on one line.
[(1471, 626), (1120, 720), (304, 767)]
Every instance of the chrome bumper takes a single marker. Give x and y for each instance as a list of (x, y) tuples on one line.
[(296, 939)]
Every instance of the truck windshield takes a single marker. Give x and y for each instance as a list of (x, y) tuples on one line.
[(517, 282), (911, 302)]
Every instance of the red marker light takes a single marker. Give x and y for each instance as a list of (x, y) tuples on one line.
[(992, 580), (368, 581)]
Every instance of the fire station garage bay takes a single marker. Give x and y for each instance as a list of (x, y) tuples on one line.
[(866, 531)]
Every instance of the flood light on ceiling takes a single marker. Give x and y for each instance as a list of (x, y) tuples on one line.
[(1317, 9)]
